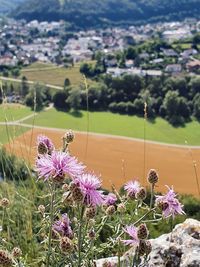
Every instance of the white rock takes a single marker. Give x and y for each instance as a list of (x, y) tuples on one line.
[(180, 248)]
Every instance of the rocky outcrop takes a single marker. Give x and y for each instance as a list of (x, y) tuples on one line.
[(180, 248)]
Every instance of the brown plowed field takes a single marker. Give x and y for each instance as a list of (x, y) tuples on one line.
[(119, 160)]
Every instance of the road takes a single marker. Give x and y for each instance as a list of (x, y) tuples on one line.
[(30, 82)]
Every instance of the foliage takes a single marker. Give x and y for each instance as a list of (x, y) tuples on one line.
[(107, 12), (60, 100), (12, 167), (28, 225), (38, 97)]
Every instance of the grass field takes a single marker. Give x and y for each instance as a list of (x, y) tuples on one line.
[(123, 125), (8, 133), (12, 112), (54, 75), (182, 45)]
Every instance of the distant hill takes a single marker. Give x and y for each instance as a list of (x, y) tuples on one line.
[(7, 5), (90, 13)]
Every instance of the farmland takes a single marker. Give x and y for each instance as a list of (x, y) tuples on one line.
[(118, 160), (52, 74), (109, 123), (13, 112)]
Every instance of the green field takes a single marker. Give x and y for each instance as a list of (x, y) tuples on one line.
[(123, 125), (51, 74), (182, 45), (7, 133), (12, 112)]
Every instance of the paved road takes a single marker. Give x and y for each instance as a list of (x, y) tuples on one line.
[(30, 82)]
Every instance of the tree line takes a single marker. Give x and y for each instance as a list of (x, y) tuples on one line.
[(177, 99)]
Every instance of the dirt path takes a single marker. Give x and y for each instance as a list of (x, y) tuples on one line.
[(20, 123), (120, 159), (30, 82)]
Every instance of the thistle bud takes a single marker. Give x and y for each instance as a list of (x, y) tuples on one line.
[(41, 209), (131, 195), (148, 247), (5, 259), (65, 187), (163, 205), (42, 148), (142, 231), (17, 253), (91, 222), (59, 179), (77, 194), (152, 176), (69, 136), (92, 234), (90, 212), (141, 194), (72, 186), (66, 244), (67, 198), (110, 210), (4, 202), (107, 264), (144, 247), (121, 208)]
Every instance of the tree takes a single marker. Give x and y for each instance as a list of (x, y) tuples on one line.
[(66, 83), (196, 39), (36, 97), (24, 86), (131, 53), (176, 108), (86, 69), (74, 99), (196, 105), (15, 72), (60, 100), (195, 85)]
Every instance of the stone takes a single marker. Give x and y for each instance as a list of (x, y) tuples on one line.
[(180, 248)]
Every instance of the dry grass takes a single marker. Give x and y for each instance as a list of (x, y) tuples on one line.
[(50, 74)]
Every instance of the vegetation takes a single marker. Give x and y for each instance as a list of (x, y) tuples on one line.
[(8, 133), (25, 224), (13, 112), (173, 98), (53, 75), (7, 6), (108, 123), (107, 12)]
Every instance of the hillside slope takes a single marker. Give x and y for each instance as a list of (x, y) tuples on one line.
[(8, 5), (107, 12)]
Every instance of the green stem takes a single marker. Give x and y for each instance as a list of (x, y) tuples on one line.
[(144, 216), (80, 237), (152, 195), (118, 255), (52, 191)]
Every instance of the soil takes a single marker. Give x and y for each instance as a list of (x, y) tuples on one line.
[(118, 160)]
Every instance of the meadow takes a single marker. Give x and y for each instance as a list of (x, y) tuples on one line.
[(52, 74), (122, 125), (13, 112), (9, 133)]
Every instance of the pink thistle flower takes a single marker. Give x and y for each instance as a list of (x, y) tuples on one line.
[(42, 139), (110, 199), (131, 230), (89, 185), (58, 164), (132, 188), (63, 227), (171, 206)]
